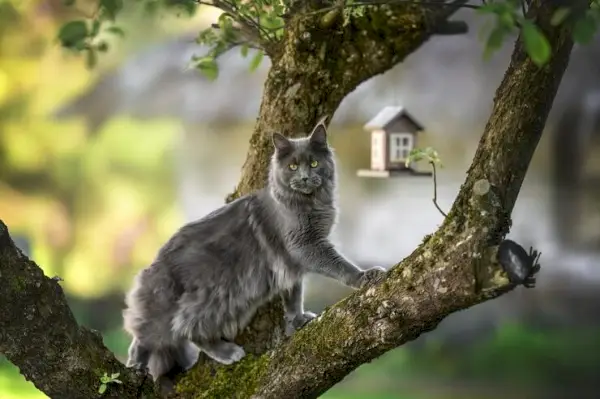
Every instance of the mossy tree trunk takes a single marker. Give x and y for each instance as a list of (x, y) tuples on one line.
[(319, 61)]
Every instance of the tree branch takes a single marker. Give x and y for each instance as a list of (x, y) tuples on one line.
[(39, 334)]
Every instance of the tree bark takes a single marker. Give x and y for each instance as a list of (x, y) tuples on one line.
[(319, 62)]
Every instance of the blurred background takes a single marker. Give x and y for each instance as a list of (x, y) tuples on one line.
[(98, 168)]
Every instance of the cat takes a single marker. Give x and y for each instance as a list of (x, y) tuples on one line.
[(210, 277)]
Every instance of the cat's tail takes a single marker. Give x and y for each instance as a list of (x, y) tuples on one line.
[(163, 361)]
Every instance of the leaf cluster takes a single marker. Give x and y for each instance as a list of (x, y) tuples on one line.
[(511, 16)]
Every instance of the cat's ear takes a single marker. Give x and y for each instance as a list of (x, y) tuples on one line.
[(319, 133), (282, 144)]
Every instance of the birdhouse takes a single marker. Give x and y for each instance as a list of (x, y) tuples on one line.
[(393, 136)]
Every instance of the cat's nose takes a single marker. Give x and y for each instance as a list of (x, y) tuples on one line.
[(304, 179)]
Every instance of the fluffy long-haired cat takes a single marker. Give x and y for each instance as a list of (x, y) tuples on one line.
[(208, 280)]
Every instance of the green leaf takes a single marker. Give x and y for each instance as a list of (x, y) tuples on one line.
[(494, 41), (115, 375), (72, 32), (256, 60), (559, 16), (244, 50), (507, 19), (207, 36), (115, 30), (208, 66), (536, 44), (95, 28), (91, 58), (102, 389), (111, 8), (584, 29)]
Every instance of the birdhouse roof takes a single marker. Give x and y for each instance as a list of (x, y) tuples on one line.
[(388, 116)]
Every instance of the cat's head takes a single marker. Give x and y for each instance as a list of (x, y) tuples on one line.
[(303, 165)]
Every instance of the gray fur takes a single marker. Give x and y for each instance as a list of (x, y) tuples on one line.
[(210, 277)]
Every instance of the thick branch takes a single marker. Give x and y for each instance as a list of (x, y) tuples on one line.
[(454, 269), (39, 334)]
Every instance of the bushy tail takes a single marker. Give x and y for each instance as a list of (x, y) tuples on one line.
[(162, 361)]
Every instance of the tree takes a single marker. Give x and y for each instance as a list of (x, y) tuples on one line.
[(334, 45)]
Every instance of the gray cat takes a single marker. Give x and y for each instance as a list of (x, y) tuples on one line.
[(209, 279)]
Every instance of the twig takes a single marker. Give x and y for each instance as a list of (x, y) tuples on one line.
[(251, 28), (435, 189)]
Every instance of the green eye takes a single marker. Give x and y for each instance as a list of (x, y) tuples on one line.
[(293, 166), (314, 164)]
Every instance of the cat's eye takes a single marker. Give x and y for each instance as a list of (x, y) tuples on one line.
[(293, 166), (314, 164)]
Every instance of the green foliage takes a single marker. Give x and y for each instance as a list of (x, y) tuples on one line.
[(106, 379), (428, 154), (511, 16), (258, 23), (536, 44), (247, 24), (256, 60)]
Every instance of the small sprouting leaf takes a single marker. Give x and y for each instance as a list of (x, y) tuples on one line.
[(72, 32), (494, 41), (256, 60), (115, 30), (244, 50), (91, 58), (559, 16), (115, 375), (208, 66), (111, 8), (536, 44), (102, 389), (584, 29)]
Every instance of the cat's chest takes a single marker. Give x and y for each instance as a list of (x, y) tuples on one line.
[(315, 223)]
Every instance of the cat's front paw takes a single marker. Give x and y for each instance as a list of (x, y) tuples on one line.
[(371, 276), (298, 321)]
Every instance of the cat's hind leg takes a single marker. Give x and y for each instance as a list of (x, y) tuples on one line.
[(138, 356), (222, 351)]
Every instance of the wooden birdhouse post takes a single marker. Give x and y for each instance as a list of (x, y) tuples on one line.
[(393, 136)]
